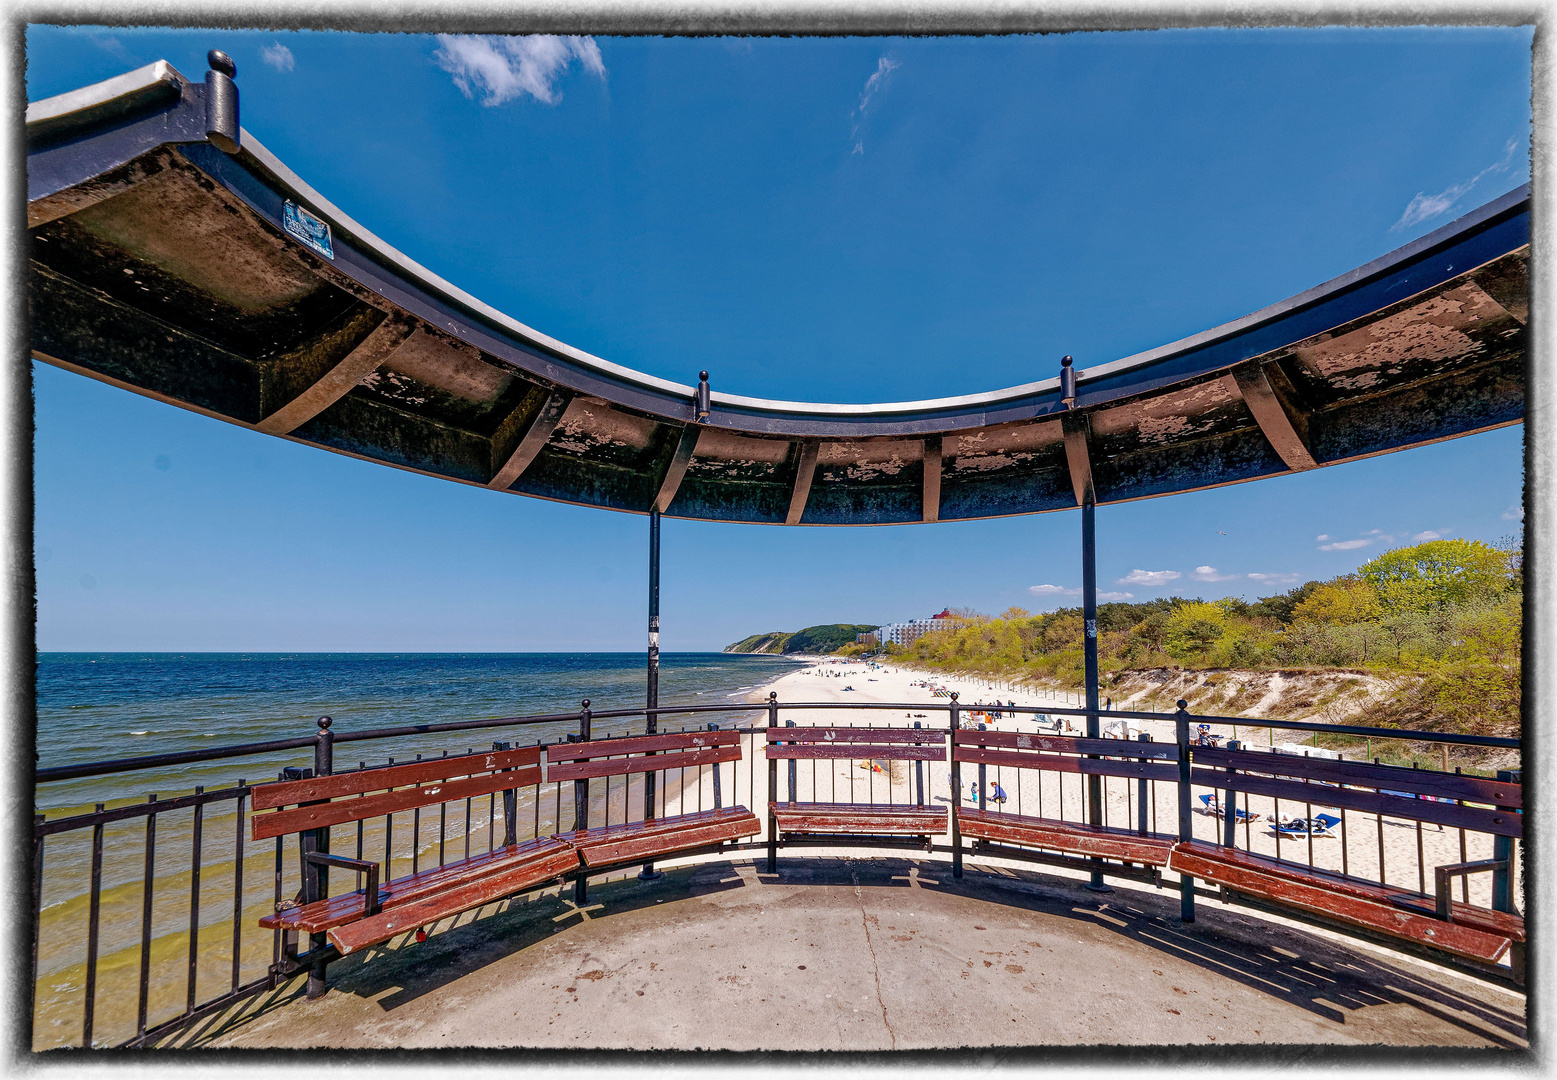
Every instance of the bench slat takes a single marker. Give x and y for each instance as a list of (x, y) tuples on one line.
[(640, 744), (483, 890), (801, 817), (1073, 837), (603, 766), (850, 751), (362, 807), (1065, 744), (1200, 860), (1500, 822), (1149, 770), (910, 736), (348, 907), (1363, 774), (292, 792)]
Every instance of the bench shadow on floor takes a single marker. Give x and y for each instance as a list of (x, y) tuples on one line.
[(1322, 977)]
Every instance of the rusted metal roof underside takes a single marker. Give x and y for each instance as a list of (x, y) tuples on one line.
[(160, 264)]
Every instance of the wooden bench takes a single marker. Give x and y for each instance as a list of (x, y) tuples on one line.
[(1142, 761), (341, 924), (1434, 921), (609, 846), (793, 821)]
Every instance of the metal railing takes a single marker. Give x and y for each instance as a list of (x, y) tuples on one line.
[(160, 896)]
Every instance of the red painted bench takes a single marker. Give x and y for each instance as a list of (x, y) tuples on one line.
[(1059, 754), (1435, 921), (609, 846), (374, 912), (793, 821)]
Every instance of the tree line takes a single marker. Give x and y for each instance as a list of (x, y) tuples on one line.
[(1448, 612)]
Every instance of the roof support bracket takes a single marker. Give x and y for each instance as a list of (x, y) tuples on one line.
[(805, 470), (932, 478), (1077, 430), (677, 470), (1283, 427), (533, 439), (386, 338)]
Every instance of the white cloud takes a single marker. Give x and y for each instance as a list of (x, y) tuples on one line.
[(278, 56), (503, 68), (1052, 590), (884, 67), (1428, 535), (1209, 573), (1424, 207), (1274, 579), (1150, 577), (1112, 596), (1322, 536), (1514, 513), (1345, 545)]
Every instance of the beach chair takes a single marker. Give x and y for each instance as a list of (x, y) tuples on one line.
[(1213, 807), (1318, 826)]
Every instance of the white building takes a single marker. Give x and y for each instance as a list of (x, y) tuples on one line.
[(906, 633)]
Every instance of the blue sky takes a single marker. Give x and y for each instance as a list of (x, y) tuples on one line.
[(852, 220)]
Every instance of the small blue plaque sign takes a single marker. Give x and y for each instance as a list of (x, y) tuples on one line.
[(307, 228)]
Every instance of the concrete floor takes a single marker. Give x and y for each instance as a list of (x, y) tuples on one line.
[(871, 954)]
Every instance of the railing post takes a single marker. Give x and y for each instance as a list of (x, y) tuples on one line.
[(510, 805), (918, 776), (324, 763), (581, 802), (1142, 786), (1186, 824), (717, 801), (1230, 804), (793, 785), (956, 784), (772, 787)]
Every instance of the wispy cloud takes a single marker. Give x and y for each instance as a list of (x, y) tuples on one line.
[(1514, 513), (1052, 590), (1209, 573), (1346, 545), (1274, 579), (503, 68), (1322, 536), (1114, 596), (1430, 534), (884, 67), (1150, 577), (110, 45), (1424, 207), (278, 56)]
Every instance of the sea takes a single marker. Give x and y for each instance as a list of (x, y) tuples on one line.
[(95, 707)]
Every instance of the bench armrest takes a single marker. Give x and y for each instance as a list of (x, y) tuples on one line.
[(361, 866), (1443, 875)]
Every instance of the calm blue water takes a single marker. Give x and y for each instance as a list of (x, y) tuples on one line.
[(97, 706)]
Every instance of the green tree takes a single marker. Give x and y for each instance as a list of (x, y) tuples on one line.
[(1193, 628), (1344, 601), (1438, 574)]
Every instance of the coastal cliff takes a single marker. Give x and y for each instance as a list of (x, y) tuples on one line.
[(827, 638)]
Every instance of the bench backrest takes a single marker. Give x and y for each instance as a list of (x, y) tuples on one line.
[(891, 744), (640, 754), (1062, 753), (343, 797), (1388, 790)]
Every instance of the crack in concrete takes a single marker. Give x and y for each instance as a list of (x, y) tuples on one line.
[(875, 966)]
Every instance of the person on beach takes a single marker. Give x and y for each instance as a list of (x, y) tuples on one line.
[(999, 795)]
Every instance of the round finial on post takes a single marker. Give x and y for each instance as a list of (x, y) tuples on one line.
[(1183, 704), (772, 695), (954, 695), (1067, 383), (703, 403), (221, 103), (586, 703), (324, 723)]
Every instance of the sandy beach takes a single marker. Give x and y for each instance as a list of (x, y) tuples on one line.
[(1409, 850)]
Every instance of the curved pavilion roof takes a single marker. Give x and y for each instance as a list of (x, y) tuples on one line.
[(163, 265)]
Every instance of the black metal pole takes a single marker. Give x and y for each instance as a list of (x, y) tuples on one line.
[(1089, 653), (651, 718), (1186, 823), (324, 765)]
